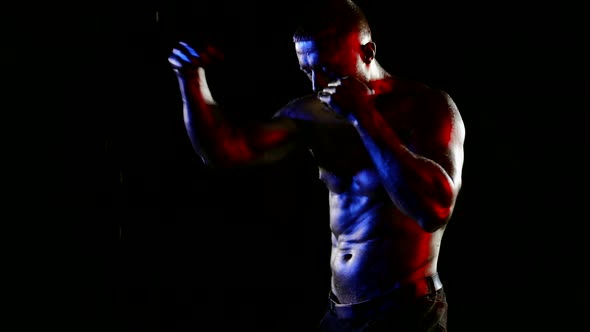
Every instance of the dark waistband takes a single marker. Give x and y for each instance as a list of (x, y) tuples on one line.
[(400, 295)]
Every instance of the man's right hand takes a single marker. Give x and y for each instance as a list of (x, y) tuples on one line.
[(185, 58)]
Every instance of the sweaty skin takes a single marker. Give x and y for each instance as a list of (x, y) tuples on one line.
[(390, 152)]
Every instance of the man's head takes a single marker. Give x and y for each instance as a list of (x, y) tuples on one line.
[(333, 40)]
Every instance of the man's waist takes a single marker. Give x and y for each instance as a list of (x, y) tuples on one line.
[(399, 295)]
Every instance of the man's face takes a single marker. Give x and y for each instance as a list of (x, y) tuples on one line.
[(329, 59)]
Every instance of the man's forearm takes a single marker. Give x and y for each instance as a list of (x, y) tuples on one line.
[(210, 134), (420, 187)]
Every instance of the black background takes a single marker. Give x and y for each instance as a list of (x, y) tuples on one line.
[(150, 240)]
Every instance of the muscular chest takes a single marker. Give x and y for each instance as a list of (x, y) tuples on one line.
[(343, 162), (338, 148)]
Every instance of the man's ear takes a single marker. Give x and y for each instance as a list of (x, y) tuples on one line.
[(369, 50)]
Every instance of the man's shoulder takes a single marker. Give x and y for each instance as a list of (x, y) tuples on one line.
[(306, 108), (416, 102), (418, 91), (403, 86)]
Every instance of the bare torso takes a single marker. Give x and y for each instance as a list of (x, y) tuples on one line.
[(375, 247)]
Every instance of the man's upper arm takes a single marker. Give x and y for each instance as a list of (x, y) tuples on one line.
[(439, 134)]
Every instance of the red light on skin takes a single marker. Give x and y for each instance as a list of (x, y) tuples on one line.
[(242, 146), (236, 148), (271, 138), (382, 86)]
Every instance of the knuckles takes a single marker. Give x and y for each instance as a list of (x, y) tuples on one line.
[(184, 56)]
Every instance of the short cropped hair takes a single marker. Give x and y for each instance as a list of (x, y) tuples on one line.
[(331, 18)]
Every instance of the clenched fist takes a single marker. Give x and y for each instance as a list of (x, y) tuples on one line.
[(347, 96)]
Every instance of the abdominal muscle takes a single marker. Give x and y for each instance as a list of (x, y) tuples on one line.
[(375, 247)]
